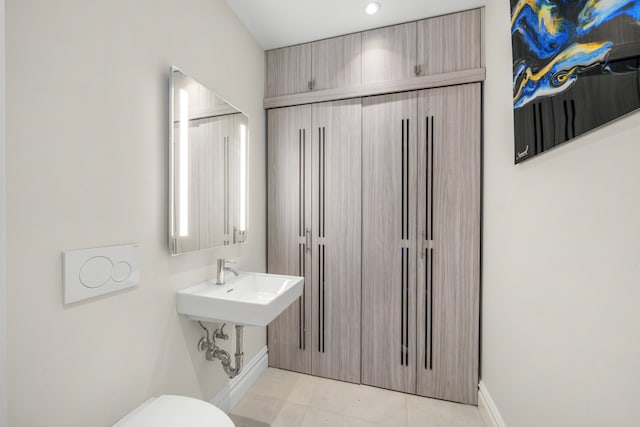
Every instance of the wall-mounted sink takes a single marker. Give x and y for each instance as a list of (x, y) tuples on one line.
[(249, 299)]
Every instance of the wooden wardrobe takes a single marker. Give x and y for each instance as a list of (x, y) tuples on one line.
[(374, 196)]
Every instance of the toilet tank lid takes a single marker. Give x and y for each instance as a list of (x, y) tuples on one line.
[(175, 411)]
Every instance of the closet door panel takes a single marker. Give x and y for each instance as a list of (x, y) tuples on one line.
[(388, 242), (450, 42), (337, 62), (288, 227), (337, 239), (389, 53), (449, 234), (288, 70)]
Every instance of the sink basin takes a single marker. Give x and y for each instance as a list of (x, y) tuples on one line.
[(249, 299)]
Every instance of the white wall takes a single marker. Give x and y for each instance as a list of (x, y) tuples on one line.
[(560, 340), (3, 265), (87, 155)]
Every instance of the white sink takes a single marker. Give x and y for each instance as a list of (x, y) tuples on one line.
[(249, 299)]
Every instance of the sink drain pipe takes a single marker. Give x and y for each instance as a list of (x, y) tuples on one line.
[(214, 352)]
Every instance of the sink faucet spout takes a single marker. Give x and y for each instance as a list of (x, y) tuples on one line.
[(221, 267)]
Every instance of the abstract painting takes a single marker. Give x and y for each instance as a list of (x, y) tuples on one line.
[(576, 66)]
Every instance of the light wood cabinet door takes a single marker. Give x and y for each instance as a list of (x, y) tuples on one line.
[(289, 231), (450, 43), (288, 70), (336, 289), (389, 53), (449, 235), (337, 62), (388, 241)]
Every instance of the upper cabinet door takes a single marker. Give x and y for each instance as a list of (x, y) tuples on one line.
[(389, 53), (288, 70), (450, 43), (336, 62)]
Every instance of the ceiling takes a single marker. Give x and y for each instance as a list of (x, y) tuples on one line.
[(277, 23)]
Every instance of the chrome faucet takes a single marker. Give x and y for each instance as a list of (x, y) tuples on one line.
[(221, 268)]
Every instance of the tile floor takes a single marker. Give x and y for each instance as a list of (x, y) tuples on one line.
[(287, 399)]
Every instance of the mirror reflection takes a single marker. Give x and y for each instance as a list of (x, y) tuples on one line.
[(209, 139)]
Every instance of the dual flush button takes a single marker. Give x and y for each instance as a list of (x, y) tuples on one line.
[(92, 272), (98, 270)]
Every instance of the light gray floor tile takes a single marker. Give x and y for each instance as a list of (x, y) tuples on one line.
[(287, 399), (291, 415), (319, 418), (333, 396), (285, 385), (363, 402), (261, 409), (239, 421), (424, 412)]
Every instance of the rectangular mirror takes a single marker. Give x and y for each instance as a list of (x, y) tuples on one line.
[(208, 168)]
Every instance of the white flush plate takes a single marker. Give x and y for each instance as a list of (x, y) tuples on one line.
[(88, 273)]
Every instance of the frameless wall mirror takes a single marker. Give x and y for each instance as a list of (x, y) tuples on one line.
[(208, 164)]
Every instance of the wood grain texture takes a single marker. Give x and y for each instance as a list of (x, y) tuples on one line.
[(455, 242), (288, 70), (336, 62), (337, 230), (207, 183), (382, 243), (209, 153), (380, 88), (450, 42), (287, 129), (389, 53)]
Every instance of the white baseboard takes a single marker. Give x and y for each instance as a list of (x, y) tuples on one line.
[(233, 392), (488, 408)]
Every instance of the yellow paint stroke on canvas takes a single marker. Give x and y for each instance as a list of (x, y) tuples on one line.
[(547, 15), (562, 75)]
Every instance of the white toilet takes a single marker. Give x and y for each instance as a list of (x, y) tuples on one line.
[(175, 411)]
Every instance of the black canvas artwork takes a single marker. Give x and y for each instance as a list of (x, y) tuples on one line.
[(576, 66)]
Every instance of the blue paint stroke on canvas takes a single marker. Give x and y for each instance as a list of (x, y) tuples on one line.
[(558, 74), (598, 12), (537, 22), (557, 55)]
